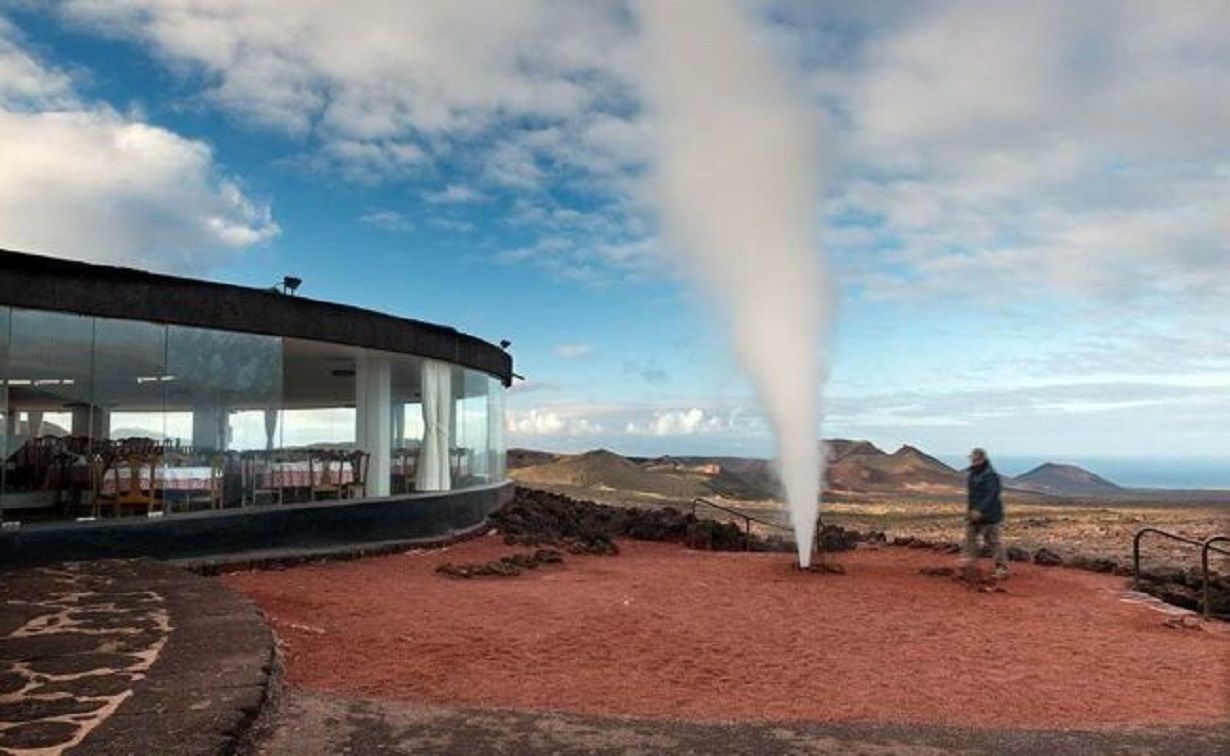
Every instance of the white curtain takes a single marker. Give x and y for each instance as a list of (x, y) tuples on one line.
[(433, 467)]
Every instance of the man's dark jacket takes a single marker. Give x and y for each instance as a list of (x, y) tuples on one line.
[(984, 494)]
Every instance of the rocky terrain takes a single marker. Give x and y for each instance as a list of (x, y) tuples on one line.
[(1097, 539), (537, 518)]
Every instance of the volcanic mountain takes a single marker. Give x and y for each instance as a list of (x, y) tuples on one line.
[(851, 466), (862, 466), (1065, 480), (603, 469), (526, 457)]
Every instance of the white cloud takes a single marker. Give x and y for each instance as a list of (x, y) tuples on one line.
[(549, 422), (573, 351), (83, 181), (678, 423), (387, 220), (24, 81), (521, 98), (372, 71), (454, 194), (1021, 149), (117, 191), (1014, 150), (613, 423)]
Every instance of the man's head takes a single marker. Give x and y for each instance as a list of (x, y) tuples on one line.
[(978, 457)]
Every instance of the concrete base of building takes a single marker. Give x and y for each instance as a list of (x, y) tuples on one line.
[(318, 527)]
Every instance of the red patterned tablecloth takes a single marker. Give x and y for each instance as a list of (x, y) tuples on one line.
[(299, 475), (166, 479)]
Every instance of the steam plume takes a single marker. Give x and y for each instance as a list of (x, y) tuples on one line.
[(737, 178)]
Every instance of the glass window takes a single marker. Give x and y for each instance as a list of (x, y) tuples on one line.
[(497, 466), (110, 417), (48, 373), (223, 400), (4, 402), (220, 379), (471, 439), (406, 405), (130, 378), (318, 394)]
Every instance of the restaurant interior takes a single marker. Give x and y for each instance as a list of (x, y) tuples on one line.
[(108, 418)]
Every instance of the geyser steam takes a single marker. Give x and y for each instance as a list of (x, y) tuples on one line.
[(737, 176)]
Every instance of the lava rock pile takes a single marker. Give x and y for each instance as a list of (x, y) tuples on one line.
[(509, 566), (1185, 588), (543, 518)]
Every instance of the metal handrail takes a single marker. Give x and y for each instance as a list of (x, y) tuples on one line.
[(748, 520), (1205, 547), (1204, 566)]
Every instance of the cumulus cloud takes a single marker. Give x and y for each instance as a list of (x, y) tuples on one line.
[(1076, 149), (24, 80), (617, 423), (550, 422), (373, 71), (81, 180), (678, 423), (1016, 149), (517, 100)]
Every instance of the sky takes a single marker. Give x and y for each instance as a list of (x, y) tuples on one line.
[(1024, 207)]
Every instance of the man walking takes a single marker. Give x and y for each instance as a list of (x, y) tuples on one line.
[(985, 515)]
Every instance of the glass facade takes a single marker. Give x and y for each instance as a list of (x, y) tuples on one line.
[(119, 418)]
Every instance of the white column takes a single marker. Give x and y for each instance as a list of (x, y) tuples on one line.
[(208, 427), (374, 419), (90, 421)]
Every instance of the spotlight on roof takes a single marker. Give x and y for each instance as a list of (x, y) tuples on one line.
[(505, 343), (290, 284)]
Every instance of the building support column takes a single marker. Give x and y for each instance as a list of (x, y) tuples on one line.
[(373, 418), (209, 428), (89, 421)]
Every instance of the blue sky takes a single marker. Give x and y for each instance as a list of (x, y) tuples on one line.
[(1025, 209)]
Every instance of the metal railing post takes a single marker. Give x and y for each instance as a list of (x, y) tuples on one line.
[(1205, 547), (1136, 556), (1204, 568)]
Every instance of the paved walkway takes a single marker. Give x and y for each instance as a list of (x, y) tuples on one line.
[(307, 724), (127, 657)]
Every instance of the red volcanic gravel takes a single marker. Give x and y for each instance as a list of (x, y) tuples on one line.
[(661, 631)]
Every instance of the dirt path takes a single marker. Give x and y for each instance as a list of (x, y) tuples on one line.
[(663, 632)]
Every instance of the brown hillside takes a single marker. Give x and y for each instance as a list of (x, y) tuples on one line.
[(907, 469), (605, 469)]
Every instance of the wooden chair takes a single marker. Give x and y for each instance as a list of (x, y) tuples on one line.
[(325, 474), (356, 488), (258, 473), (101, 462), (137, 496), (405, 465), (211, 496)]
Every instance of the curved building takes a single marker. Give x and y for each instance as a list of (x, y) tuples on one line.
[(150, 414)]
